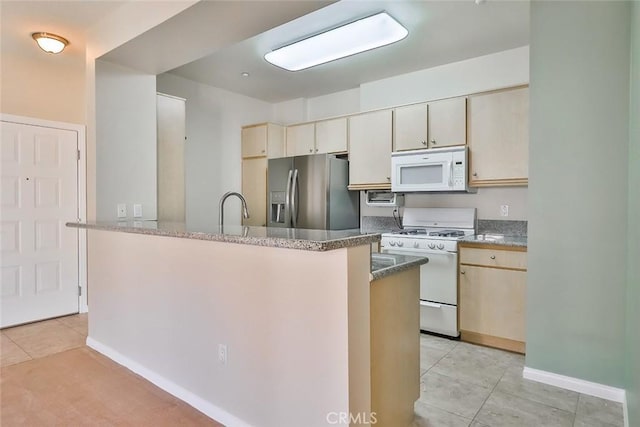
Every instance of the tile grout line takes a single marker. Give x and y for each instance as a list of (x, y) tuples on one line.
[(488, 396), (20, 347)]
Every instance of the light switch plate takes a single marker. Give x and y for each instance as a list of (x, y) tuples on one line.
[(122, 210), (137, 211), (504, 210)]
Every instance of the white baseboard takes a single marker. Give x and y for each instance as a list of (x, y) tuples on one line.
[(170, 387), (625, 411), (576, 384)]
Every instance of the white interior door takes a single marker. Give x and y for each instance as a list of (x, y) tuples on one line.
[(39, 254)]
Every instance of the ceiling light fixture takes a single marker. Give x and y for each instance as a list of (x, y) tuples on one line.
[(50, 43), (349, 39)]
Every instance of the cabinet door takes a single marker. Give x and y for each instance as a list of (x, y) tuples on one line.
[(448, 122), (301, 139), (331, 136), (254, 189), (275, 141), (370, 150), (410, 127), (254, 141), (492, 302), (499, 138)]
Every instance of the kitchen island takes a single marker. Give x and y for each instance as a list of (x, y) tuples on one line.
[(250, 325)]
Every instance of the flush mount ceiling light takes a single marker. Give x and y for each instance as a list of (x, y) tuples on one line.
[(50, 43), (355, 37)]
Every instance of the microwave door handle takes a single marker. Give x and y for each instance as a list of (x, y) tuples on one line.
[(287, 201), (450, 174)]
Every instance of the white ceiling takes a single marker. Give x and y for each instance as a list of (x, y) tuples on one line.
[(440, 32), (69, 19), (231, 37)]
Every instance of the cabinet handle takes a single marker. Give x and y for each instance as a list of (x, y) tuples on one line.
[(316, 150), (433, 141), (388, 178), (262, 151), (461, 271), (311, 150), (424, 142), (492, 257), (475, 174)]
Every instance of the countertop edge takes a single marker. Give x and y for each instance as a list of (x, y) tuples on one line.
[(504, 242), (388, 271), (274, 242)]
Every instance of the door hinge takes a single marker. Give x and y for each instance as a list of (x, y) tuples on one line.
[(79, 290), (78, 154)]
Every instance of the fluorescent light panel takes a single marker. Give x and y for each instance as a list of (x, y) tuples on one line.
[(358, 36)]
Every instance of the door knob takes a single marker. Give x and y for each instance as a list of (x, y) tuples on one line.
[(433, 141)]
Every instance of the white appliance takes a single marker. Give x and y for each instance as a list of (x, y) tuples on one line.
[(435, 169), (434, 233)]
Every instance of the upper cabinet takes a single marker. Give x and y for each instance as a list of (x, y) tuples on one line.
[(327, 136), (301, 139), (499, 138), (410, 130), (263, 140), (370, 138), (331, 136), (430, 125), (448, 122)]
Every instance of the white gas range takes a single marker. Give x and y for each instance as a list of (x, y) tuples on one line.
[(434, 233)]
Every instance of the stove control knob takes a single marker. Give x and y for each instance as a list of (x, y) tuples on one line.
[(400, 244), (416, 245), (392, 243), (441, 246), (432, 245)]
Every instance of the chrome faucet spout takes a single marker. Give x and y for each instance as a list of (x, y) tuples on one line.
[(225, 196)]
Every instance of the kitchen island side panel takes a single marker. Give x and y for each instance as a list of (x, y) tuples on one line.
[(166, 304)]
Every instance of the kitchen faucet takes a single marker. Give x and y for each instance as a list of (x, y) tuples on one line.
[(245, 211)]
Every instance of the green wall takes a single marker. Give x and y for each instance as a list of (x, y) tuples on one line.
[(577, 278), (633, 291)]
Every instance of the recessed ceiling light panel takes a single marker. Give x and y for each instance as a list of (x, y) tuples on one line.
[(358, 36)]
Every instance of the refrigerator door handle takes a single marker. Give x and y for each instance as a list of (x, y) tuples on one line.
[(287, 201), (294, 199)]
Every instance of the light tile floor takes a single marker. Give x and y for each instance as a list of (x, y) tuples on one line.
[(467, 385)]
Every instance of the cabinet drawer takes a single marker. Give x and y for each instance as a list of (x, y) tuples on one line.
[(494, 258), (439, 318)]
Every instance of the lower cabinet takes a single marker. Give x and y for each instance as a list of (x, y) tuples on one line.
[(254, 189), (493, 297)]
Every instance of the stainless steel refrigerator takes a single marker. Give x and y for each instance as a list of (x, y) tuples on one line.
[(311, 192)]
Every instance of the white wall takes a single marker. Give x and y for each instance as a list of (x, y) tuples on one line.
[(125, 141), (212, 151), (494, 71), (334, 104)]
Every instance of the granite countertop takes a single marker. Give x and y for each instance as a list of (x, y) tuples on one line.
[(496, 239), (308, 240), (383, 265)]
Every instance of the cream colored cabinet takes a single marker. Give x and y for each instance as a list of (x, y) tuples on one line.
[(259, 143), (499, 138), (370, 139), (410, 130), (492, 302), (433, 125), (448, 122), (331, 136), (301, 139), (263, 140), (254, 189)]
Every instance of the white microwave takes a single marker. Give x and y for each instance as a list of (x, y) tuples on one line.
[(435, 169)]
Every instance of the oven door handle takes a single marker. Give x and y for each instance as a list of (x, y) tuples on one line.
[(430, 304)]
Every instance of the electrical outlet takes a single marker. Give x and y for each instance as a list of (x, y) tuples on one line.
[(504, 210), (222, 353), (137, 211), (122, 210)]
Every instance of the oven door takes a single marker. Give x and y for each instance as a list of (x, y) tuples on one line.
[(438, 277), (421, 172)]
